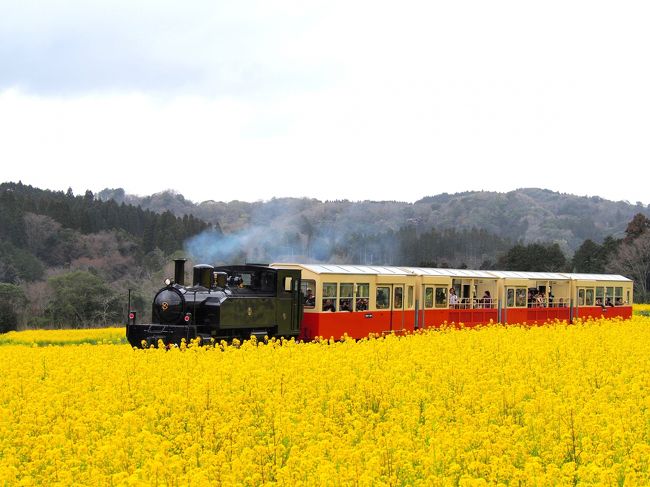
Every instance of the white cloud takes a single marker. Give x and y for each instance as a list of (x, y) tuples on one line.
[(334, 99)]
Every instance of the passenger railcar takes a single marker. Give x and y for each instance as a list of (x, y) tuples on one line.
[(308, 300)]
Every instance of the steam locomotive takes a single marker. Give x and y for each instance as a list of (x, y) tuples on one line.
[(329, 300), (222, 303)]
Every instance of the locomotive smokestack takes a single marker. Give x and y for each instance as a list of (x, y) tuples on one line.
[(179, 271)]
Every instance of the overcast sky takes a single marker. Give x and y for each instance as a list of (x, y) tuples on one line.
[(329, 99)]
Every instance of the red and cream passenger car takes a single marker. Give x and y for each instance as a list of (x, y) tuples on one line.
[(363, 300)]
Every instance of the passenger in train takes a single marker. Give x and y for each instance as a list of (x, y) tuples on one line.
[(539, 299), (453, 299), (486, 301), (362, 304), (328, 305), (599, 302), (346, 305), (310, 299), (619, 301), (608, 302)]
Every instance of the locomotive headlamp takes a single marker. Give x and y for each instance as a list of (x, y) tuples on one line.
[(188, 317), (168, 282)]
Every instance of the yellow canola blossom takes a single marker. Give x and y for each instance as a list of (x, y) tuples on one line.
[(64, 337), (641, 309), (550, 405)]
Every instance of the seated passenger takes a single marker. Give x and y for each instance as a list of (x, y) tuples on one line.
[(539, 300), (328, 305), (362, 304), (619, 301), (608, 302), (599, 302), (310, 299), (346, 305), (486, 301)]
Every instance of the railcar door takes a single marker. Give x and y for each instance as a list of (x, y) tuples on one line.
[(397, 309), (289, 309), (390, 297)]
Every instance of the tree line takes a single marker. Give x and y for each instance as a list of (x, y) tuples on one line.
[(65, 260), (68, 260)]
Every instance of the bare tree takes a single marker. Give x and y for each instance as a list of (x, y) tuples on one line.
[(633, 260)]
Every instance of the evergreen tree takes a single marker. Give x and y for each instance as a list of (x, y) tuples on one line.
[(534, 258)]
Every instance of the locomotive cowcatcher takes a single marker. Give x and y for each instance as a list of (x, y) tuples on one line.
[(237, 301)]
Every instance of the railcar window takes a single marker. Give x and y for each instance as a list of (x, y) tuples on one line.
[(307, 287), (618, 293), (399, 297), (589, 297), (383, 297), (288, 281), (609, 295), (441, 297), (581, 297), (600, 295), (346, 293), (428, 297), (409, 297), (363, 296), (510, 297), (521, 297), (329, 296)]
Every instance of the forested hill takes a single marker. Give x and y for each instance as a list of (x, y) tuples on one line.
[(41, 229), (524, 215), (47, 223)]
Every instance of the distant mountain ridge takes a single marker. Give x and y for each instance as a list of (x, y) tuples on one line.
[(523, 215)]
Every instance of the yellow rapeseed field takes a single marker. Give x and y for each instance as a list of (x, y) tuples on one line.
[(64, 337), (552, 405)]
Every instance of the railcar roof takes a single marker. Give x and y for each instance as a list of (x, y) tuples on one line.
[(355, 269), (539, 276), (468, 273), (598, 277)]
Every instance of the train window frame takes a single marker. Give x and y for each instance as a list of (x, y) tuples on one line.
[(618, 296), (589, 296), (329, 288), (304, 285), (398, 297), (410, 292), (600, 294), (581, 296), (362, 296), (516, 297), (440, 291), (288, 284), (385, 303), (429, 293), (345, 299)]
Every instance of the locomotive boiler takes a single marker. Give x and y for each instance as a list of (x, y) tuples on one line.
[(222, 303)]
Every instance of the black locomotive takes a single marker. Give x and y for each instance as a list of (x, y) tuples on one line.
[(226, 302)]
